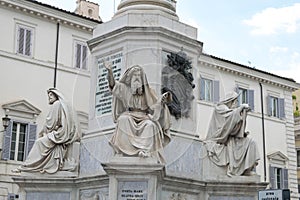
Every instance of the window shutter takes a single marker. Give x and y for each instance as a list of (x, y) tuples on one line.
[(21, 33), (7, 142), (202, 89), (251, 99), (281, 108), (272, 177), (236, 89), (269, 105), (78, 55), (284, 179), (28, 43), (84, 57), (30, 138), (216, 91)]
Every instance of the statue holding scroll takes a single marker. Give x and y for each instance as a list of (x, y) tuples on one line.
[(142, 120), (227, 142)]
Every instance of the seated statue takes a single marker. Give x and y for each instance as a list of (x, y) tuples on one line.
[(227, 142), (48, 154), (142, 120)]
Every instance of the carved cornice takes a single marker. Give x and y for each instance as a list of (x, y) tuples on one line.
[(277, 158), (142, 31), (49, 14), (22, 109), (261, 78)]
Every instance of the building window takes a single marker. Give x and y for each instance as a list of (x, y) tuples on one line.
[(81, 51), (209, 90), (24, 40), (243, 96), (90, 11), (18, 140), (298, 157), (278, 178), (11, 196), (246, 96), (276, 107)]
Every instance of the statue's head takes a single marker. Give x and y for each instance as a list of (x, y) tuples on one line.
[(231, 99), (52, 96), (135, 79)]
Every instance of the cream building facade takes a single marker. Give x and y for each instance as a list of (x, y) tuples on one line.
[(144, 33), (27, 62), (296, 103)]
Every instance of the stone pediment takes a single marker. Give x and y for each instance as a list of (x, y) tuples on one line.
[(277, 158), (22, 109)]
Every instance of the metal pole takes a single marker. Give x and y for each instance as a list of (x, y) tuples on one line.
[(263, 131), (56, 55), (114, 6)]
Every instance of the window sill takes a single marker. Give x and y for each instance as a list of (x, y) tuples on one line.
[(207, 103)]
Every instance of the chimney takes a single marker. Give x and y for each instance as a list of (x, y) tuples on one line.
[(87, 9)]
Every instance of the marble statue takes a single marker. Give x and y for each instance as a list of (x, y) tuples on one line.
[(227, 143), (48, 154), (142, 120)]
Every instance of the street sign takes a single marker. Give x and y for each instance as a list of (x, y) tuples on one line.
[(274, 194)]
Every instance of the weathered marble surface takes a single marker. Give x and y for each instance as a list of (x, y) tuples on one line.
[(53, 150), (227, 141), (142, 119), (48, 195)]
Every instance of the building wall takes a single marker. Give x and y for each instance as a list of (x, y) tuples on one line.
[(297, 144), (28, 78)]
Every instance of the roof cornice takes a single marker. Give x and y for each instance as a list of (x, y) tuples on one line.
[(248, 72), (50, 13)]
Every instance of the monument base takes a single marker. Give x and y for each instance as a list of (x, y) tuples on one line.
[(133, 178), (45, 187)]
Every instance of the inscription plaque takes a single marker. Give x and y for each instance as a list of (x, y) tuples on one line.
[(103, 95), (132, 190)]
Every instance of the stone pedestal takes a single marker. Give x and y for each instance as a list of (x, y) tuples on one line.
[(133, 178), (45, 187), (141, 33)]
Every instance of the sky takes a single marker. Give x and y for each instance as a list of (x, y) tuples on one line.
[(263, 34)]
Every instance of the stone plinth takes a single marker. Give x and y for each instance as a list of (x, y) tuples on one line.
[(133, 178), (45, 187)]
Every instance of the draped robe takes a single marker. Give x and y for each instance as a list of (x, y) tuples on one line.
[(136, 130), (60, 130), (226, 142)]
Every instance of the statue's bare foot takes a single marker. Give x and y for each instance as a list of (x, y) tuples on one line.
[(252, 173), (16, 171), (143, 154), (249, 173), (229, 174)]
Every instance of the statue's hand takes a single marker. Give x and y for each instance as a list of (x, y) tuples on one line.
[(245, 106), (41, 133), (166, 97), (150, 116), (107, 65)]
